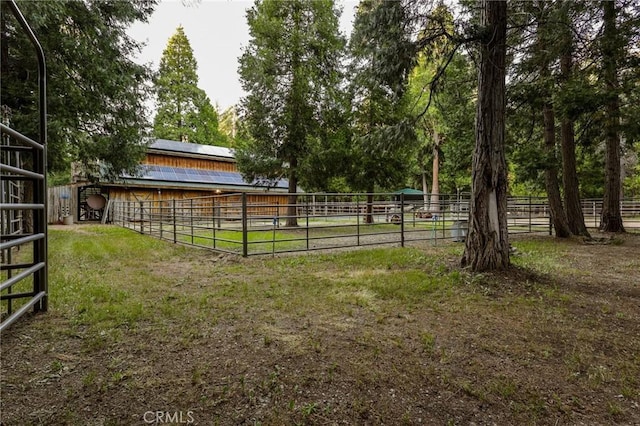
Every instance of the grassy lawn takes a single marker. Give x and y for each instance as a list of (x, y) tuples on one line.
[(385, 335)]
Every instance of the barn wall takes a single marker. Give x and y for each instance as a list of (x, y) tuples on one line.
[(262, 204), (190, 163)]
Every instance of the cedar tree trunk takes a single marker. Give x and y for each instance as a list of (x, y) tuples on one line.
[(552, 186), (558, 217), (487, 244), (570, 183), (368, 218), (611, 220)]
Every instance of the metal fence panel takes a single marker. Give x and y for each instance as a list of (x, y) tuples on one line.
[(257, 224)]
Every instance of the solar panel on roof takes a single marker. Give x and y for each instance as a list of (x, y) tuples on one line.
[(215, 177)]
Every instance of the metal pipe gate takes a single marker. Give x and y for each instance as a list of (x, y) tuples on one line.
[(15, 234)]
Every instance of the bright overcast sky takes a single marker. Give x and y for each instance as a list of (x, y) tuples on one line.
[(217, 31)]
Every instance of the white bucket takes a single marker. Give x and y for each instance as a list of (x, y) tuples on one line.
[(68, 220)]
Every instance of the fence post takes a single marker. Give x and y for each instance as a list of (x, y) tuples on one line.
[(141, 217), (357, 220), (530, 217), (401, 220), (213, 223), (175, 238), (307, 224), (191, 218), (245, 248), (444, 215), (162, 218)]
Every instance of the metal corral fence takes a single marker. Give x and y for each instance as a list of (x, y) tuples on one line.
[(629, 209), (233, 224), (23, 205)]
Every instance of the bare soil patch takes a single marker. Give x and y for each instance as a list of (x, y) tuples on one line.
[(321, 339)]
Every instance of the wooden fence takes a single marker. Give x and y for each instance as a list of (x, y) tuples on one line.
[(62, 202)]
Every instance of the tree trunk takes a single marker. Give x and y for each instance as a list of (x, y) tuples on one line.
[(487, 243), (570, 183), (435, 179), (292, 211), (552, 186), (558, 217), (425, 188), (368, 218), (611, 220)]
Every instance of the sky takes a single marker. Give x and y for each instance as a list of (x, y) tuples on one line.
[(217, 31)]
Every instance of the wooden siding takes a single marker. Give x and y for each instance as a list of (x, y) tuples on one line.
[(58, 205), (190, 163), (259, 205), (149, 194)]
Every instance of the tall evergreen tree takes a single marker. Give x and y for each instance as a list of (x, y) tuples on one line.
[(552, 185), (96, 93), (382, 57), (445, 129), (612, 46), (184, 111), (288, 70), (228, 122), (543, 86), (570, 182), (487, 243)]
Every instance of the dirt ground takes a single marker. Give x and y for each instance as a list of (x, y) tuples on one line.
[(547, 345)]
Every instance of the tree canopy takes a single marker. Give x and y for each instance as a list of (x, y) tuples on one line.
[(96, 93), (289, 70), (444, 113), (380, 54), (184, 111)]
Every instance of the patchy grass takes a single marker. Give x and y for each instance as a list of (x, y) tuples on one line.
[(367, 336)]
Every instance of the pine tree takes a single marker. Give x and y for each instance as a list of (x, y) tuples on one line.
[(288, 70), (612, 48), (552, 185), (382, 58), (184, 112), (570, 182)]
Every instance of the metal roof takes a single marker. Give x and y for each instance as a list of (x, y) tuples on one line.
[(408, 191), (153, 173), (191, 148)]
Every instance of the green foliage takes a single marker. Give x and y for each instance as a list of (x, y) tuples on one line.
[(382, 56), (442, 96), (590, 171), (290, 72), (632, 181), (184, 112), (229, 125), (581, 97), (59, 178), (96, 93)]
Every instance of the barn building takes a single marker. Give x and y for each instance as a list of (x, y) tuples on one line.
[(170, 170)]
